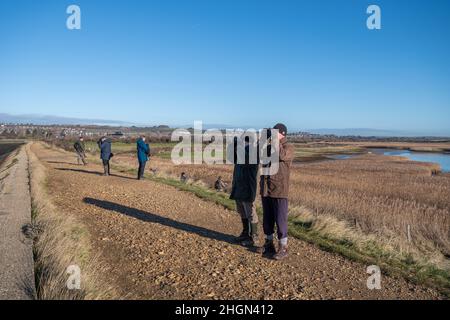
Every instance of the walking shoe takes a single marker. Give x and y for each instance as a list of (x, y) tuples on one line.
[(249, 242), (268, 248), (242, 237), (252, 240), (282, 253), (245, 231)]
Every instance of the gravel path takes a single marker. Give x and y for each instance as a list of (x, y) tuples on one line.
[(161, 243), (16, 255)]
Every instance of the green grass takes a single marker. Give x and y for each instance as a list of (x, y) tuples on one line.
[(159, 149), (116, 146)]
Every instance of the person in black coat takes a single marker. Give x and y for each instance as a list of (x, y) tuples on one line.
[(243, 191), (105, 154), (80, 150)]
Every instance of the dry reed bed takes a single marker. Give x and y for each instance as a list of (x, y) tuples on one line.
[(383, 194)]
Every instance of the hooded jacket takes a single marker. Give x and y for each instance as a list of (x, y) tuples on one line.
[(143, 150)]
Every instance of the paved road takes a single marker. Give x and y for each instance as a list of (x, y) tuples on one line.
[(16, 255)]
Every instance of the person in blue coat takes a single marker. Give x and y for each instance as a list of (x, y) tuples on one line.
[(105, 153), (143, 152)]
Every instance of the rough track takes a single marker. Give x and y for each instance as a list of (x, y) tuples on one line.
[(16, 250), (161, 243)]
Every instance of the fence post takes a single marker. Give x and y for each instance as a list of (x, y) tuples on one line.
[(357, 226), (408, 229)]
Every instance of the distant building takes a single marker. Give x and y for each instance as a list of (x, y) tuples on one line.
[(116, 134)]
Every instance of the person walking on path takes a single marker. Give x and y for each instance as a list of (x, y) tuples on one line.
[(105, 154), (80, 150), (243, 192), (274, 191), (143, 152)]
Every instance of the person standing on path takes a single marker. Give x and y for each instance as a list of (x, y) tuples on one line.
[(105, 154), (143, 152), (243, 192), (80, 150), (274, 191)]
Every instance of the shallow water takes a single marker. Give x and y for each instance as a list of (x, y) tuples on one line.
[(443, 159)]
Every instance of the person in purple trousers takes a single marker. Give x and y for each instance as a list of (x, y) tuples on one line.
[(274, 191)]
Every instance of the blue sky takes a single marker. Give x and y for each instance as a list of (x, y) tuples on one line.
[(310, 64)]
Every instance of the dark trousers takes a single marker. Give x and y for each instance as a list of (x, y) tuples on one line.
[(275, 211), (106, 166), (141, 169)]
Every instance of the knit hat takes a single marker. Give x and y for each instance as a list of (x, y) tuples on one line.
[(281, 128)]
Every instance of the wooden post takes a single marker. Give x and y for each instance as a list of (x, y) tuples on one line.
[(357, 226), (408, 229)]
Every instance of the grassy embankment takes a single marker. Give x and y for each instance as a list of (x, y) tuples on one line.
[(7, 146), (61, 241), (6, 149)]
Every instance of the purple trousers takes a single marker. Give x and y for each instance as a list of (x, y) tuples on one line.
[(275, 211)]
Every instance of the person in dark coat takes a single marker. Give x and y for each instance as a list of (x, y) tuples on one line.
[(80, 150), (243, 191), (105, 154), (220, 185), (143, 152), (274, 191), (183, 177)]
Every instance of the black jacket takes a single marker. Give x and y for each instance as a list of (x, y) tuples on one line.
[(79, 146), (105, 149), (244, 181)]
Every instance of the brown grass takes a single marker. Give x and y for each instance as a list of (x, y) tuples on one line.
[(382, 194), (61, 241)]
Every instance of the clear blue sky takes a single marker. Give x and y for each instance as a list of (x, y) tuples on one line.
[(310, 64)]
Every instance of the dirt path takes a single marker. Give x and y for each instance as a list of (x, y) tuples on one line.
[(161, 243), (16, 254)]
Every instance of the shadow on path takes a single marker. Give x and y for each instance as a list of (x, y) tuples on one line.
[(94, 172), (62, 162), (153, 218)]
